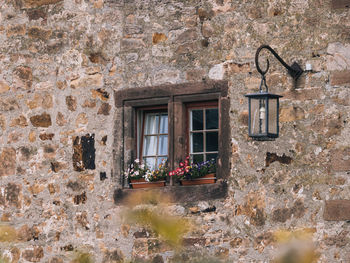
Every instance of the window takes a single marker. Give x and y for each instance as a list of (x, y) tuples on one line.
[(171, 122), (203, 131), (153, 143)]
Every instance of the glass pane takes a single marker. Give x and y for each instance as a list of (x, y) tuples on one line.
[(196, 120), (196, 142), (163, 145), (211, 119), (150, 162), (160, 160), (163, 123), (211, 156), (197, 158), (149, 145), (258, 116), (151, 123), (273, 112), (211, 141)]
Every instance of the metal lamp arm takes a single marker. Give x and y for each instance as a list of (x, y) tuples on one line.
[(294, 70)]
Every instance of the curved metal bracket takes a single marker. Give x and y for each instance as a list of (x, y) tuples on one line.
[(294, 70)]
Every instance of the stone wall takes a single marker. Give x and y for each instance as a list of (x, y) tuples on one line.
[(62, 60)]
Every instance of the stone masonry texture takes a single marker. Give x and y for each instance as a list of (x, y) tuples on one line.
[(61, 62)]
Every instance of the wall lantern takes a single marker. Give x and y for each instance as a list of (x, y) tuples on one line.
[(263, 123)]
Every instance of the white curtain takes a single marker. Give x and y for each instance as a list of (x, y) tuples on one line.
[(151, 124), (152, 139)]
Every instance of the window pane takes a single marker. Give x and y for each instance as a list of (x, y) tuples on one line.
[(196, 120), (197, 158), (150, 145), (163, 145), (150, 162), (257, 120), (160, 160), (151, 123), (197, 142), (211, 141), (211, 156), (211, 119), (163, 123), (273, 116)]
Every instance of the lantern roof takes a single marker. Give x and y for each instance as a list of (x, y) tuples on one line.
[(263, 94)]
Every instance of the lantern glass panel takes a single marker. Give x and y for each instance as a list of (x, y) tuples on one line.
[(258, 116), (273, 114)]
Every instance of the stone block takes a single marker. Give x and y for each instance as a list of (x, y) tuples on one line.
[(80, 199), (37, 13), (114, 256), (104, 109), (290, 114), (16, 30), (82, 119), (158, 37), (4, 87), (167, 76), (95, 80), (71, 103), (2, 122), (336, 4), (22, 77), (11, 195), (233, 67), (217, 72), (128, 44), (187, 36), (39, 33), (58, 166), (8, 104), (60, 120), (273, 157), (21, 121), (43, 120), (195, 74), (207, 29), (37, 3), (339, 78), (337, 210), (186, 48), (339, 58), (100, 93), (8, 162), (340, 159), (46, 136), (89, 104), (304, 94), (33, 255)]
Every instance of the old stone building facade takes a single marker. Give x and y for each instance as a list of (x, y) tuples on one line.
[(64, 67)]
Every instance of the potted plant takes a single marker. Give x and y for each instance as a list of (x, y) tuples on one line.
[(194, 174), (140, 176)]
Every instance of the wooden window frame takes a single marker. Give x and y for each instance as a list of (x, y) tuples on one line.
[(199, 105), (140, 139), (176, 97)]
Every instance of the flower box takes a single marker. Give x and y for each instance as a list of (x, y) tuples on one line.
[(206, 179), (142, 183)]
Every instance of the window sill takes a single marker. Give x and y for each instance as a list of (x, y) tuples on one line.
[(181, 194)]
